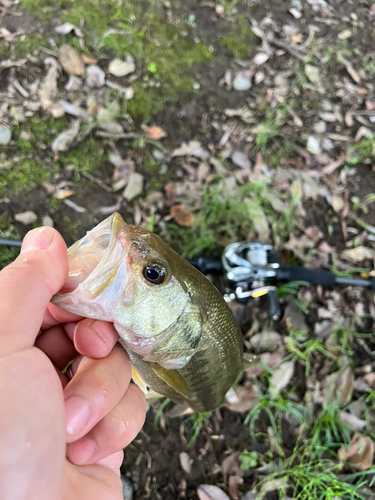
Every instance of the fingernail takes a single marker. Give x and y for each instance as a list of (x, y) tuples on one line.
[(37, 239), (82, 450), (77, 413)]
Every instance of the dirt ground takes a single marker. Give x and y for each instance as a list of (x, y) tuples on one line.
[(279, 100)]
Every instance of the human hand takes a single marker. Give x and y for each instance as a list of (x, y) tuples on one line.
[(59, 439)]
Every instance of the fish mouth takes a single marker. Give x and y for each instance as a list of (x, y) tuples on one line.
[(97, 265)]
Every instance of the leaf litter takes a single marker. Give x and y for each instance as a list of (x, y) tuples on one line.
[(302, 179)]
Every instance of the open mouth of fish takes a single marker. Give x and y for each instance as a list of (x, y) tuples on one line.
[(98, 285)]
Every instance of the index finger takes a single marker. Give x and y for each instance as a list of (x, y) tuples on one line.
[(27, 286)]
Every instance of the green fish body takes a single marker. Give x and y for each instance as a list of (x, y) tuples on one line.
[(182, 339)]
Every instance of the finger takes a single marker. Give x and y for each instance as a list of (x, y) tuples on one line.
[(55, 315), (55, 343), (27, 286), (115, 431), (113, 462), (95, 389), (95, 339)]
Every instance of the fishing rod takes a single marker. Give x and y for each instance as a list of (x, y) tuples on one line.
[(247, 269)]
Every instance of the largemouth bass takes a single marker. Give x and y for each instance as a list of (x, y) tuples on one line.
[(183, 340)]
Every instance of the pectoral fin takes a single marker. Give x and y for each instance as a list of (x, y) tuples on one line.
[(172, 378), (181, 341)]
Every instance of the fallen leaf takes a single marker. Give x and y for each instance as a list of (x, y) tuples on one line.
[(134, 187), (61, 194), (211, 492), (120, 68), (313, 145), (360, 454), (71, 61), (337, 203), (281, 377), (266, 341), (339, 386), (182, 215), (63, 140), (74, 84), (241, 160), (358, 254), (192, 148), (26, 218), (313, 74), (186, 462), (95, 76), (241, 398), (355, 422), (66, 28), (48, 88), (155, 133), (88, 60)]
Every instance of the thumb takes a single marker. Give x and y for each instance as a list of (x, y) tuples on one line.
[(27, 285)]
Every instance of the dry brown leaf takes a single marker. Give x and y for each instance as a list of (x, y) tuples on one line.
[(170, 192), (339, 385), (360, 454), (281, 377), (71, 61), (182, 215), (358, 254), (88, 59), (155, 133), (241, 398)]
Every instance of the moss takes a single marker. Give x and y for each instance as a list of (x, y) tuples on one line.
[(240, 41), (365, 148), (139, 28), (29, 45), (22, 176), (4, 51), (87, 156)]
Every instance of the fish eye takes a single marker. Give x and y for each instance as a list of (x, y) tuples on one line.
[(154, 273)]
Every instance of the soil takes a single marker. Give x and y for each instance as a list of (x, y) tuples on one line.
[(152, 461)]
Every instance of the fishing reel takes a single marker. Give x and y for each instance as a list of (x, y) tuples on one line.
[(246, 268)]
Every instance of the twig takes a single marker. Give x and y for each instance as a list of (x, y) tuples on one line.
[(97, 181), (291, 51)]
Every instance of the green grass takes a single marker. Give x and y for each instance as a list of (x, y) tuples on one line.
[(304, 349), (240, 40), (229, 215)]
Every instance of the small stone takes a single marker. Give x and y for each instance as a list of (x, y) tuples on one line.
[(186, 462), (320, 127), (337, 203), (241, 82), (47, 221), (313, 145), (5, 134), (26, 218), (74, 84), (261, 58), (119, 68), (95, 76), (71, 61), (134, 187)]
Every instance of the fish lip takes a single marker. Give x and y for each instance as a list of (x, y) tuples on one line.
[(115, 251)]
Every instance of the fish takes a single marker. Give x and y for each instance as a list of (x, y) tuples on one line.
[(181, 336)]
